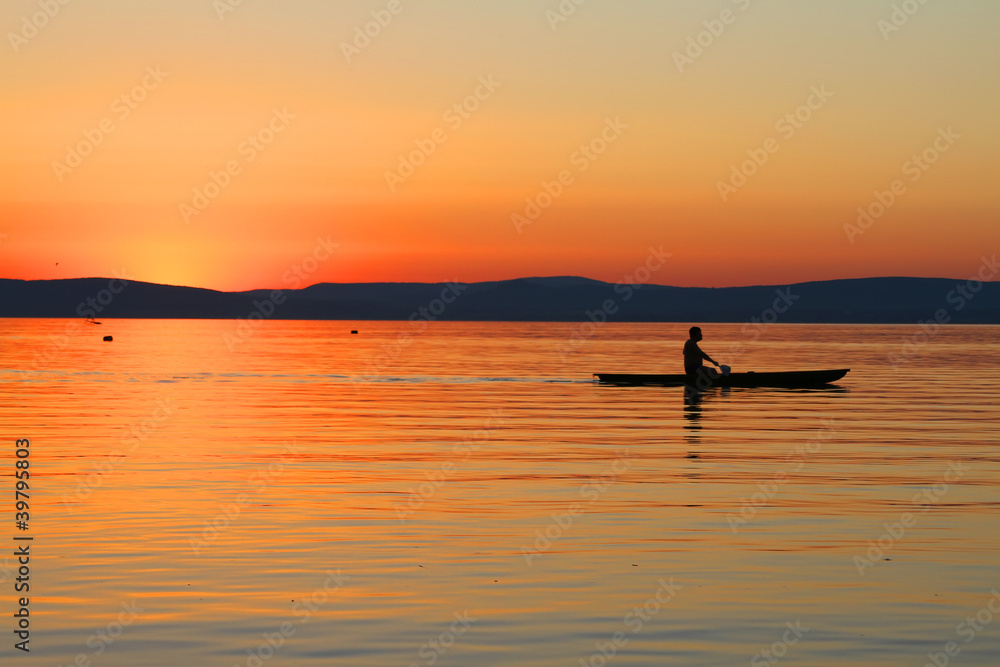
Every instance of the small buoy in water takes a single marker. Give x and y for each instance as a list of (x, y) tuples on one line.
[(108, 339), (354, 332)]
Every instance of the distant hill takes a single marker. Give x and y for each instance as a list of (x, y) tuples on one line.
[(559, 299)]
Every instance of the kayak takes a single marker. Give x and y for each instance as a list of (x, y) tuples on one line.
[(786, 380)]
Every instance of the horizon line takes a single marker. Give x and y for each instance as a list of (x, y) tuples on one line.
[(481, 282)]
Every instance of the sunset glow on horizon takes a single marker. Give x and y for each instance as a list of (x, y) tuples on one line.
[(218, 144)]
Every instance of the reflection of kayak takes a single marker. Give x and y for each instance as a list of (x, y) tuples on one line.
[(790, 379)]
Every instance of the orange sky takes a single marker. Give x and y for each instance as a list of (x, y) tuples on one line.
[(161, 96)]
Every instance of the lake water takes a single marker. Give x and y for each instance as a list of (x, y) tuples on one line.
[(465, 494)]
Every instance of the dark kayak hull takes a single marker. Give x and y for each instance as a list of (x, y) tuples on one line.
[(785, 380)]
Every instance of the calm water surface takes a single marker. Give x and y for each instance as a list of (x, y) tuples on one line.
[(467, 495)]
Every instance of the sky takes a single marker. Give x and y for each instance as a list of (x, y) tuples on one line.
[(220, 144)]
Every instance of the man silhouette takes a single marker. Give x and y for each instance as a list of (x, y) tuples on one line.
[(695, 370)]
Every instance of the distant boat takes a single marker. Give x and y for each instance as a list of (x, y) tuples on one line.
[(91, 320), (785, 380)]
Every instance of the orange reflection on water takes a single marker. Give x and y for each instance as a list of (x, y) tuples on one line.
[(475, 470)]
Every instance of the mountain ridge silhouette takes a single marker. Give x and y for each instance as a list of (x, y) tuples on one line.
[(885, 300)]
